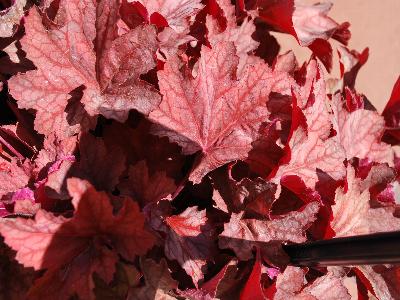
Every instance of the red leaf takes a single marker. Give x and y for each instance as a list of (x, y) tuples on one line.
[(147, 188), (278, 14), (76, 277), (195, 111), (266, 154), (391, 112), (314, 103), (126, 227), (297, 186), (133, 14), (98, 163), (253, 196), (15, 60), (138, 144), (158, 282), (209, 289), (350, 63), (211, 286), (112, 84), (354, 101), (158, 20), (15, 279), (269, 47), (188, 240), (252, 288), (72, 249), (323, 50)]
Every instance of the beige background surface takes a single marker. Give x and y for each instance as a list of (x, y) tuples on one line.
[(374, 24)]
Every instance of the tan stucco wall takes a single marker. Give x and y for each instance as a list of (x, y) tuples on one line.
[(374, 24)]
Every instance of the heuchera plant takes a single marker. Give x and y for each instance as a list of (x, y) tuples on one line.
[(148, 147)]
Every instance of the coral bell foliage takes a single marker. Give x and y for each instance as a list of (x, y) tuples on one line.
[(167, 149)]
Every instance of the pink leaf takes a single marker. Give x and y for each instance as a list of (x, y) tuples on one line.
[(359, 133), (353, 215), (241, 35), (307, 153), (55, 149), (266, 153), (242, 234), (32, 238), (176, 13), (12, 177), (329, 286), (11, 17), (112, 91), (286, 62), (212, 112), (290, 285), (384, 280), (311, 22), (55, 159)]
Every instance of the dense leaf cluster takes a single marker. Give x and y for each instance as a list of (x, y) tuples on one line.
[(166, 149)]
